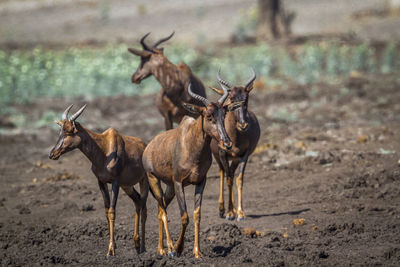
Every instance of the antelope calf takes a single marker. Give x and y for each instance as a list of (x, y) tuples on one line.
[(244, 131), (174, 81), (116, 159), (182, 156)]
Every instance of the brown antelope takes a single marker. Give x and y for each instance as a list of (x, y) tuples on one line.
[(244, 131), (116, 159), (182, 156), (174, 80)]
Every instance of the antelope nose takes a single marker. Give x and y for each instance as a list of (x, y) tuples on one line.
[(243, 126), (51, 155), (228, 145)]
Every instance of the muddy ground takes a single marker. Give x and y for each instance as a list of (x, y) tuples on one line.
[(328, 156)]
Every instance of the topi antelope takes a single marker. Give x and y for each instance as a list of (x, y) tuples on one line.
[(116, 159), (244, 131), (174, 80), (182, 156)]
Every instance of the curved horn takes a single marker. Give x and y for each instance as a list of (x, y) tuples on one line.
[(251, 80), (65, 114), (222, 82), (162, 40), (224, 96), (205, 101), (78, 113), (144, 45)]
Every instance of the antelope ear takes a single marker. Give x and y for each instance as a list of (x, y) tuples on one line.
[(58, 123), (234, 105), (218, 91), (140, 53), (192, 108), (161, 50)]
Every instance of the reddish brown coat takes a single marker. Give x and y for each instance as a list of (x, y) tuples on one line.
[(174, 80)]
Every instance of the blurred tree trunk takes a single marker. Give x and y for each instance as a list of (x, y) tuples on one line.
[(268, 24)]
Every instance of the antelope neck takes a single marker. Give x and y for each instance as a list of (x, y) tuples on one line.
[(196, 137), (167, 75), (91, 143)]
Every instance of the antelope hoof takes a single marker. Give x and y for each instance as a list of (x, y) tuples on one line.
[(137, 245), (197, 255), (111, 250), (172, 254), (161, 252), (230, 217), (221, 213), (240, 216)]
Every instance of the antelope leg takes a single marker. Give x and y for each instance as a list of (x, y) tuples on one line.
[(239, 185), (180, 197), (106, 197), (198, 196), (231, 210), (134, 195), (155, 186), (111, 216)]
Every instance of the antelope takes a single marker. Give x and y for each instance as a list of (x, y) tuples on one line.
[(244, 131), (116, 159), (174, 80), (182, 156)]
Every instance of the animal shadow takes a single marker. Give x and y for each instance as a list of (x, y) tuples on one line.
[(295, 212)]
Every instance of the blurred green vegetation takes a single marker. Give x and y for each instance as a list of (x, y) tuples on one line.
[(90, 72)]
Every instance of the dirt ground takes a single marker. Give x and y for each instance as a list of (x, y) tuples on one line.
[(323, 187), (328, 154)]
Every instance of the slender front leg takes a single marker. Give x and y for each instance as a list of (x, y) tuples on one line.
[(162, 214), (198, 196), (180, 197), (224, 173), (111, 216), (239, 185), (221, 204), (144, 192), (134, 195), (168, 196), (231, 209), (106, 197)]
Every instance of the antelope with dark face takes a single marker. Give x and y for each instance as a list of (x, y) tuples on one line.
[(116, 159), (174, 80), (244, 131), (182, 156)]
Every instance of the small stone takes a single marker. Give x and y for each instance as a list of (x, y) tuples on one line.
[(362, 138), (211, 238), (300, 221)]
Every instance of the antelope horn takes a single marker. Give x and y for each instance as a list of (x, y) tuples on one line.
[(224, 96), (78, 113), (226, 86), (144, 45), (162, 40), (251, 80), (205, 101), (65, 114), (222, 82)]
